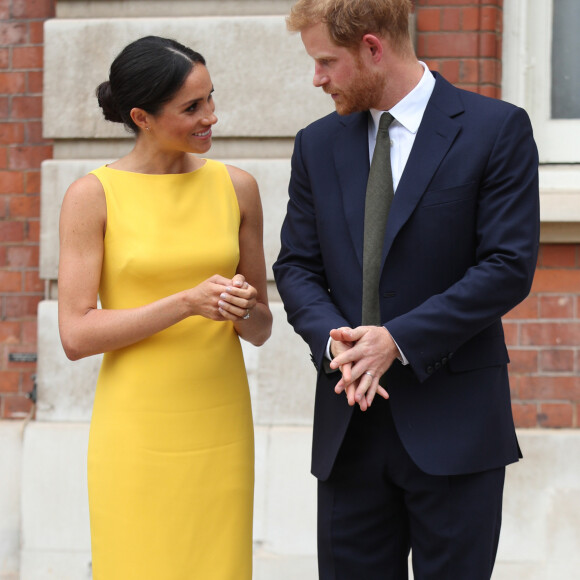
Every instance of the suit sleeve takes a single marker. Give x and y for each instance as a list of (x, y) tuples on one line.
[(507, 239), (299, 270)]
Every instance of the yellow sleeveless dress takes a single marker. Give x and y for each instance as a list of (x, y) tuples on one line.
[(171, 447)]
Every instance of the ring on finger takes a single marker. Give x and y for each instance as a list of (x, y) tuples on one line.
[(247, 315), (370, 374)]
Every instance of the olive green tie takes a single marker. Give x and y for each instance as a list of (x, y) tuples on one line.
[(378, 200)]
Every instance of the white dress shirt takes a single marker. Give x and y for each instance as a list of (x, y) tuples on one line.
[(407, 113)]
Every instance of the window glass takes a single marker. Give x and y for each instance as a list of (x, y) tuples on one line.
[(565, 60)]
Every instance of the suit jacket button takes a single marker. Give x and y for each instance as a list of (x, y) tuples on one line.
[(437, 366), (430, 370), (444, 360)]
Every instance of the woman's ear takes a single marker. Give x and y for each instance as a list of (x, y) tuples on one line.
[(140, 118)]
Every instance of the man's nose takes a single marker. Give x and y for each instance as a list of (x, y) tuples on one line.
[(320, 78)]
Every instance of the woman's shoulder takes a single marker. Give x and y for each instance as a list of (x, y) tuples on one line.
[(85, 194), (245, 187), (245, 184), (240, 176)]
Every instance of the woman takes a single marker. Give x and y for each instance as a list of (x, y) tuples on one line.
[(172, 244)]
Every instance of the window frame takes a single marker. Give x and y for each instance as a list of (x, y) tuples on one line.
[(526, 79), (526, 82)]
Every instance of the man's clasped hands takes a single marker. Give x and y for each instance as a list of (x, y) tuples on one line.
[(362, 355)]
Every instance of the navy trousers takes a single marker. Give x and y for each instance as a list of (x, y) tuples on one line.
[(377, 506)]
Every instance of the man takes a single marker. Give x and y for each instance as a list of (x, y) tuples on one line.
[(417, 461)]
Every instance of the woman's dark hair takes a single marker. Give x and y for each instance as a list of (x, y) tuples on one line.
[(146, 74)]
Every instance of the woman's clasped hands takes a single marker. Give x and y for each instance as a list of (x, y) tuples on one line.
[(237, 299), (219, 298)]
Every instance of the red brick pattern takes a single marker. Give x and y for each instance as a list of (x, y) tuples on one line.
[(22, 150), (462, 39), (543, 336)]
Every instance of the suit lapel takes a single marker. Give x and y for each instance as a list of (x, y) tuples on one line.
[(436, 134), (351, 156)]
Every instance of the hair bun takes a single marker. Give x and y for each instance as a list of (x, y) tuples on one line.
[(108, 103)]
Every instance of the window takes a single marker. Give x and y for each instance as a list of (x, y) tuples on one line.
[(565, 80), (541, 72)]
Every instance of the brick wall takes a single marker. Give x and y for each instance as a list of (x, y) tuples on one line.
[(462, 40), (22, 150), (543, 335)]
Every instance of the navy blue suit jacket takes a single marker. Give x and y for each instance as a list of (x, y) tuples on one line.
[(459, 252)]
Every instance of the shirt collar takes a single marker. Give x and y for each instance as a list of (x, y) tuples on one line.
[(409, 110)]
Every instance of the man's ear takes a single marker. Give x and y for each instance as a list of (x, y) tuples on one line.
[(373, 46)]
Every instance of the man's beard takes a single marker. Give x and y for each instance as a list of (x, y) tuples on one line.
[(363, 93)]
